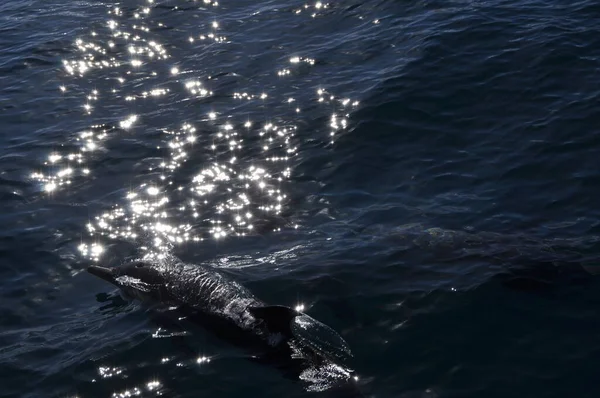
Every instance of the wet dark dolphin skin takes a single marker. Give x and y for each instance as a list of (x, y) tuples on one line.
[(225, 306)]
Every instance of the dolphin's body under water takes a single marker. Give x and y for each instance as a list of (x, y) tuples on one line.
[(292, 339)]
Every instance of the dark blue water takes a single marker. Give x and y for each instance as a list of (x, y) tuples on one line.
[(423, 176)]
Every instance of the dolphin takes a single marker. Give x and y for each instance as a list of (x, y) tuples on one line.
[(220, 303)]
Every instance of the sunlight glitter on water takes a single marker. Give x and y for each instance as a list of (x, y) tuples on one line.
[(203, 359), (237, 171), (64, 169), (107, 372), (128, 122)]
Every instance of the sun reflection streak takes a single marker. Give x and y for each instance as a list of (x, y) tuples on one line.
[(216, 176), (237, 192)]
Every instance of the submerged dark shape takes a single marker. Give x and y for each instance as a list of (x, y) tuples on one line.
[(290, 340), (519, 261)]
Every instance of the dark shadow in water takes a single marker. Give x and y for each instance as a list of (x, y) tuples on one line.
[(544, 277)]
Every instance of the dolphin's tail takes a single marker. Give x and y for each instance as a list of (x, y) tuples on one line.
[(309, 332)]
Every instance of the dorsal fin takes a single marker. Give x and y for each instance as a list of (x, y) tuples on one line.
[(276, 317)]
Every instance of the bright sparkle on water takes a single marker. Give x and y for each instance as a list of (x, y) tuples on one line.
[(153, 385), (107, 372), (128, 122)]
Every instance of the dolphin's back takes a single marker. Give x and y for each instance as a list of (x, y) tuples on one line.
[(205, 289)]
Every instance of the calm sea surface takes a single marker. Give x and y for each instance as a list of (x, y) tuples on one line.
[(423, 176)]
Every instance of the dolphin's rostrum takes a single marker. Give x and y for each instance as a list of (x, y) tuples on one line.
[(203, 291)]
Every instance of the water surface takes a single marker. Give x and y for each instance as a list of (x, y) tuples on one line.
[(421, 175)]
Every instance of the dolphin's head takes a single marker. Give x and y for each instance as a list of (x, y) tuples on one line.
[(137, 279)]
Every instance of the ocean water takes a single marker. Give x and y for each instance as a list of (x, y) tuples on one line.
[(422, 176)]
